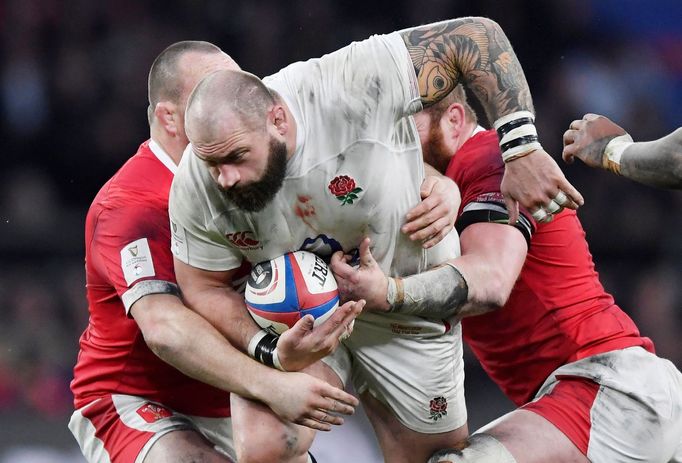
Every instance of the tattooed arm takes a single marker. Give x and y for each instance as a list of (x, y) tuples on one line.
[(476, 52), (599, 142)]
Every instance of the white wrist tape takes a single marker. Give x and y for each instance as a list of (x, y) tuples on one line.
[(275, 360), (614, 152), (436, 293), (251, 348), (518, 135)]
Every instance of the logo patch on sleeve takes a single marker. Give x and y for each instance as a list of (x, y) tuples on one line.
[(179, 242), (136, 261)]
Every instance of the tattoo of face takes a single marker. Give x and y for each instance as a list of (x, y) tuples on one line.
[(473, 52)]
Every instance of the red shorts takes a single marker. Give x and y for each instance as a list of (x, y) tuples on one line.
[(568, 407), (619, 406), (122, 428)]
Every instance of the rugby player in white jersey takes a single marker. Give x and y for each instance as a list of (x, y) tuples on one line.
[(316, 157)]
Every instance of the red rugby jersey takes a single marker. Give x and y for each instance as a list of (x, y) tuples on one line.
[(558, 311), (127, 255)]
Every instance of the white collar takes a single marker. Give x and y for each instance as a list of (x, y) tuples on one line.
[(162, 156), (478, 129)]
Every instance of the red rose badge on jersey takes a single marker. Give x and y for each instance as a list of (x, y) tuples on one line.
[(152, 413), (344, 189), (438, 408)]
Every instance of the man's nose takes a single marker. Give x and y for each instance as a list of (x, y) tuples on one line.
[(228, 176)]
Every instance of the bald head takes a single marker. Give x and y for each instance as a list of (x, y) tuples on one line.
[(179, 67), (235, 96)]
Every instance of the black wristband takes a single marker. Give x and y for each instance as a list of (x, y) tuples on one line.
[(519, 141), (509, 126), (265, 348)]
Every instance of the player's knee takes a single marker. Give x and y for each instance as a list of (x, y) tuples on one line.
[(259, 454), (286, 447), (480, 448)]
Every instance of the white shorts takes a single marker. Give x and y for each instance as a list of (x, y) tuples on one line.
[(617, 407), (122, 428), (411, 364)]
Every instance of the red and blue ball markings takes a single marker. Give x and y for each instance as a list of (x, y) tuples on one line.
[(298, 301)]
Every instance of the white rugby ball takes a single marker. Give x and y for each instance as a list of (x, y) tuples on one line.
[(283, 290)]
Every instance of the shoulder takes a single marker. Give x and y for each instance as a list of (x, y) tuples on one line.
[(478, 160), (142, 177)]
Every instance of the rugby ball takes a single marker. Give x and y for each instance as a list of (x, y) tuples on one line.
[(283, 290)]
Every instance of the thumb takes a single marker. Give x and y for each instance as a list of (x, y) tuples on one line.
[(303, 326), (567, 154), (427, 186), (366, 258), (512, 209)]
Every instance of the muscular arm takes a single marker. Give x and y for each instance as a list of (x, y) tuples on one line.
[(491, 261), (210, 294), (472, 51), (478, 281), (188, 342), (657, 163), (476, 52)]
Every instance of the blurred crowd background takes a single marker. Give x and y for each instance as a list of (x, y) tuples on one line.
[(73, 102)]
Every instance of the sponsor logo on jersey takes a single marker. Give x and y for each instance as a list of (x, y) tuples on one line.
[(136, 261), (402, 328), (152, 413), (179, 242), (244, 240), (438, 408), (344, 189)]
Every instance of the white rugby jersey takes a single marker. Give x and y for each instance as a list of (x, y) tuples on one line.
[(356, 170)]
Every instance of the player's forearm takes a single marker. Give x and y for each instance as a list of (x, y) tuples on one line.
[(225, 310), (462, 288), (189, 343), (472, 51), (492, 257), (657, 163)]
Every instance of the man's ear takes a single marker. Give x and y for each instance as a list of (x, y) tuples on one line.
[(455, 116), (277, 116), (167, 116)]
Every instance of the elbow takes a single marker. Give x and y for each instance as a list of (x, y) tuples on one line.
[(497, 291), (162, 337), (487, 23)]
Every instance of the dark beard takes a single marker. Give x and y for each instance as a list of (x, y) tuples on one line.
[(254, 196)]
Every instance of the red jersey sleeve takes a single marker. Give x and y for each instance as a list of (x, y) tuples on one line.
[(130, 249), (477, 168)]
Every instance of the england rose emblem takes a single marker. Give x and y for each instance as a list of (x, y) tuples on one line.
[(438, 408), (344, 189)]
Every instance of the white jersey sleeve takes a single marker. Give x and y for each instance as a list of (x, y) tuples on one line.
[(195, 240)]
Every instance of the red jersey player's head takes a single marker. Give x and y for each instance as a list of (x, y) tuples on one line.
[(244, 134), (444, 127), (172, 77)]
